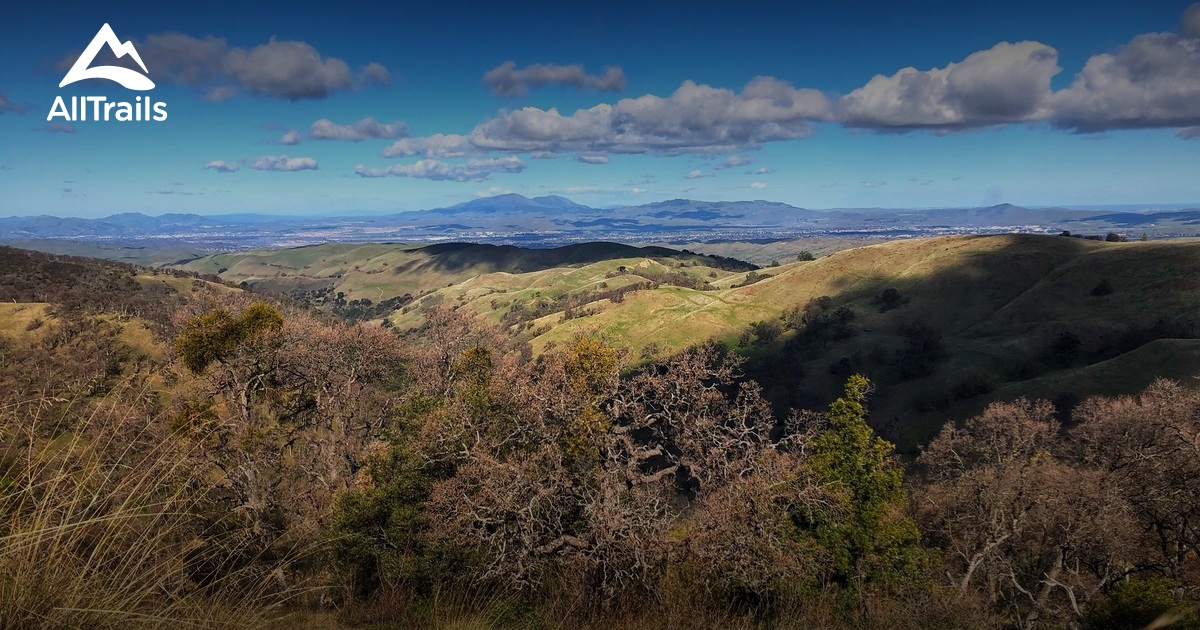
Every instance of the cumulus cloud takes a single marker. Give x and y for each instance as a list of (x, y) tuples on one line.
[(435, 146), (291, 70), (221, 166), (697, 174), (507, 80), (283, 163), (291, 138), (1153, 81), (365, 129), (1190, 23), (592, 158), (475, 169), (696, 118), (7, 106), (733, 161), (763, 170), (1004, 84), (373, 74)]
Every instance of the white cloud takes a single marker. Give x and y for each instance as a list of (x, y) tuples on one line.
[(592, 158), (1190, 23), (492, 191), (365, 129), (759, 186), (291, 138), (290, 70), (734, 161), (221, 166), (1153, 81), (436, 146), (507, 80), (283, 163), (694, 119), (373, 74), (763, 170), (1005, 84), (474, 169), (1189, 133), (543, 155), (697, 174)]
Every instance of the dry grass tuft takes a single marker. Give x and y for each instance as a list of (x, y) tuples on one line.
[(101, 524)]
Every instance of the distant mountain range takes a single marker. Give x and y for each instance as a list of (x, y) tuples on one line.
[(553, 220)]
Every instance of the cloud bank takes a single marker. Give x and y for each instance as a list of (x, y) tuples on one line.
[(283, 163), (221, 166), (696, 118), (1005, 84), (1151, 82), (365, 129), (471, 170), (508, 80), (284, 69)]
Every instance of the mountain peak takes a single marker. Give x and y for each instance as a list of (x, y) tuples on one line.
[(556, 201)]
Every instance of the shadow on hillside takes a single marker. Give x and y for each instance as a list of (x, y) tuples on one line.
[(456, 257), (942, 342)]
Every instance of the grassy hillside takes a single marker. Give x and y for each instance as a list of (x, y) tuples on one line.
[(976, 318), (764, 253), (189, 453), (970, 318), (379, 272)]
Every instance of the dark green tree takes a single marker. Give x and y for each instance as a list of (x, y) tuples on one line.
[(874, 541)]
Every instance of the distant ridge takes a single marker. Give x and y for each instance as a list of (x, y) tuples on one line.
[(554, 220)]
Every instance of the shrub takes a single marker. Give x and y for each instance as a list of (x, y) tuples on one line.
[(1140, 603)]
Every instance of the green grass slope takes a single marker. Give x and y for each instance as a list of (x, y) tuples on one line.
[(382, 271), (998, 308)]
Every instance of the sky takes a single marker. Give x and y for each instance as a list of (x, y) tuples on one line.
[(358, 108)]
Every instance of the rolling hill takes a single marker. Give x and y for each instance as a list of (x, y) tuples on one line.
[(384, 271), (976, 318), (941, 325)]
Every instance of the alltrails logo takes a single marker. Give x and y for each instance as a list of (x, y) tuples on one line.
[(101, 107)]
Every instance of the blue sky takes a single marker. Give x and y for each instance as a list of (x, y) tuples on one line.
[(1034, 103)]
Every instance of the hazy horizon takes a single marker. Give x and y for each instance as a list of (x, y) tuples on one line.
[(1135, 207)]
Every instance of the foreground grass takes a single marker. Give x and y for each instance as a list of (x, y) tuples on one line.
[(99, 528)]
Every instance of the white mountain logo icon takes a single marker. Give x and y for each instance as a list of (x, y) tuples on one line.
[(126, 77)]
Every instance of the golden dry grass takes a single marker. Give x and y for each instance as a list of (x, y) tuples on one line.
[(98, 526)]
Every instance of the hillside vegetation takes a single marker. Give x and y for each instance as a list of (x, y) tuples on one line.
[(974, 319), (335, 275), (177, 452)]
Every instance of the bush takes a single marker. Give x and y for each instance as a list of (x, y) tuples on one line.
[(889, 299), (766, 332), (1139, 603), (213, 336)]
